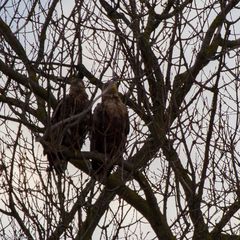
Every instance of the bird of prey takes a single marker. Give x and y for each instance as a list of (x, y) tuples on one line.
[(69, 135), (110, 127)]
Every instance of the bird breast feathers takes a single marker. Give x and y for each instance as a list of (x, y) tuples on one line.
[(115, 109)]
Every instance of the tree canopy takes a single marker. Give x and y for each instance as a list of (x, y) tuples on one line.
[(178, 65)]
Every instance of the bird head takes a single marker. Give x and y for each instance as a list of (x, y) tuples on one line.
[(110, 88), (77, 86)]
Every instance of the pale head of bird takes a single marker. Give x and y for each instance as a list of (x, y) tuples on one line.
[(110, 90)]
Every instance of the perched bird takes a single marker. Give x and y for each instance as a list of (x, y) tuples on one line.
[(71, 134), (110, 127)]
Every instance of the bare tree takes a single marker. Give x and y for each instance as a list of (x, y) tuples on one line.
[(178, 66)]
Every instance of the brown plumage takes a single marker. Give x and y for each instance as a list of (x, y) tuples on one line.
[(109, 128), (70, 135)]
